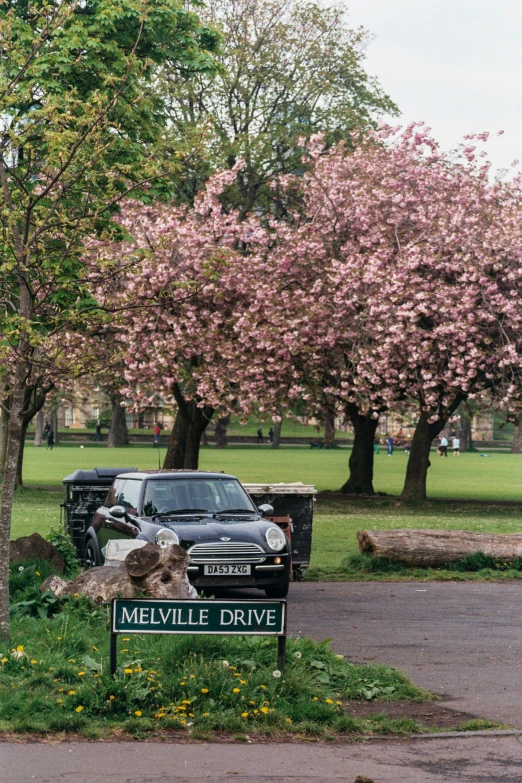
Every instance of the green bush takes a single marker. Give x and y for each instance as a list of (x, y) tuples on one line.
[(61, 539)]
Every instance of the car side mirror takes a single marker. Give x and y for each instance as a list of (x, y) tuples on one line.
[(266, 510), (118, 512)]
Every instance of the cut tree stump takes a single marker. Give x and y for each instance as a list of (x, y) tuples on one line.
[(435, 547), (153, 571)]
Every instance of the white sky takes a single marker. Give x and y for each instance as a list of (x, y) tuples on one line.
[(456, 64)]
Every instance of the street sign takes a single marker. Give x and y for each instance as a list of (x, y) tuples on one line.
[(238, 618)]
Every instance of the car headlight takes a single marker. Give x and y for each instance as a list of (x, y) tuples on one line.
[(275, 538), (166, 538)]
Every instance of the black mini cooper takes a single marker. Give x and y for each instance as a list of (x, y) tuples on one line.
[(229, 541)]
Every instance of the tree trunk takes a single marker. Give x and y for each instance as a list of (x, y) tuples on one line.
[(360, 480), (54, 425), (276, 440), (20, 460), (515, 448), (191, 422), (118, 433), (38, 430), (466, 441), (8, 488), (221, 431), (329, 428), (419, 460), (435, 547), (175, 456), (4, 421)]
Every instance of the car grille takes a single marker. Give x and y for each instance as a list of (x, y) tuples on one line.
[(226, 552)]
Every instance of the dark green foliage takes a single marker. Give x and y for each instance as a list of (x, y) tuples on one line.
[(61, 539)]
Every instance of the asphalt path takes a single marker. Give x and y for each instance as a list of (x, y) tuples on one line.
[(461, 640)]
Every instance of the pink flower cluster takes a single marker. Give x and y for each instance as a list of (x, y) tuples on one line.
[(397, 279)]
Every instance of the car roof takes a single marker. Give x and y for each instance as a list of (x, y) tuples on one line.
[(175, 474)]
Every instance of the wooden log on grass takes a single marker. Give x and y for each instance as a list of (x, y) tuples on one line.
[(435, 547), (151, 571)]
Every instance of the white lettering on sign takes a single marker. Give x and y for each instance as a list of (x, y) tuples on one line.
[(164, 616), (129, 618), (230, 615), (193, 617)]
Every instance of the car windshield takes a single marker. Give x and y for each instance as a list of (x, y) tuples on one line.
[(185, 496)]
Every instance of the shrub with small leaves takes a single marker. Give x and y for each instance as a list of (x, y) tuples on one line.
[(61, 539)]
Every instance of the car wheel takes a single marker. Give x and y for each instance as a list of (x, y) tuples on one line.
[(277, 592), (91, 554)]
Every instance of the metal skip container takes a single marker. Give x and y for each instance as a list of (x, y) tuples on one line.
[(297, 501)]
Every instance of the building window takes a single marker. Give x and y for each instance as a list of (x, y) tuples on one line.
[(96, 413), (68, 417)]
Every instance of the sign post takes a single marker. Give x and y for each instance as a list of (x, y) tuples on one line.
[(237, 618)]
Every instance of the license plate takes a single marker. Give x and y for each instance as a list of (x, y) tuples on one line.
[(227, 570)]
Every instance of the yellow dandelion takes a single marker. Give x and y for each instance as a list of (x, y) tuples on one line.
[(262, 686), (37, 573), (329, 701), (244, 714), (206, 714), (138, 713), (251, 701), (204, 690), (264, 710), (126, 639), (256, 712), (183, 683), (59, 638), (111, 697), (316, 698), (242, 682), (338, 702), (125, 651), (34, 661), (288, 720), (71, 693), (184, 722), (79, 708), (20, 648), (236, 674), (139, 669), (236, 690), (192, 676), (5, 660), (185, 701), (72, 660), (191, 715), (94, 647), (127, 671), (59, 701), (81, 674)]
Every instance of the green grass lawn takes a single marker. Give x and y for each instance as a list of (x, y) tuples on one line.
[(471, 477)]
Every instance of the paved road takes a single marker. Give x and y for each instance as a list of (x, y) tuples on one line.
[(463, 640), (473, 760), (459, 639)]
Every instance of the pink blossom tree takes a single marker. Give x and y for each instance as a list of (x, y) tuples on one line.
[(399, 284)]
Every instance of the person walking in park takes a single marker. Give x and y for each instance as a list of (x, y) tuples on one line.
[(443, 448), (97, 436), (50, 438), (389, 443), (456, 446), (271, 435), (260, 435), (46, 429), (376, 444), (156, 437)]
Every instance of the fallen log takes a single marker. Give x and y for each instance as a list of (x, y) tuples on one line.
[(435, 547), (152, 571)]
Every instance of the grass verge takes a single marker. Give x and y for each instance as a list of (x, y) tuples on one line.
[(54, 678)]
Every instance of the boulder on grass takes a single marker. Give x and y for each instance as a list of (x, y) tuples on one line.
[(34, 547), (153, 571)]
